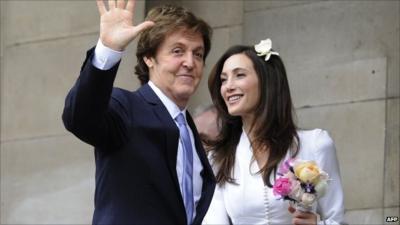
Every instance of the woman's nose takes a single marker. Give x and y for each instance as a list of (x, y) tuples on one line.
[(230, 85)]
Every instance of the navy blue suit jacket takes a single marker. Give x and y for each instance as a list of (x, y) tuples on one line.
[(136, 143)]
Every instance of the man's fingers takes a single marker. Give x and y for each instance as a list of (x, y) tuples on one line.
[(101, 7), (140, 27), (121, 4), (143, 26), (111, 4), (130, 6)]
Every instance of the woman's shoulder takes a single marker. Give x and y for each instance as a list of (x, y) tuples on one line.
[(314, 134), (315, 141)]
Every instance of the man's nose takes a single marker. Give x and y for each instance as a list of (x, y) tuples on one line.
[(188, 60)]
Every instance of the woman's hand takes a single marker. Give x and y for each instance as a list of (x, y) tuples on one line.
[(300, 217), (116, 23)]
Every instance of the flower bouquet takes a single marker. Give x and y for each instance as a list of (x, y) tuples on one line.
[(301, 182)]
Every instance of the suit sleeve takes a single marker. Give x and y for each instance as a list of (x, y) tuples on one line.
[(331, 205), (94, 111)]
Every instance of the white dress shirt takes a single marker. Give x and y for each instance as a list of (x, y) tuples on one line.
[(174, 110), (252, 202), (104, 59)]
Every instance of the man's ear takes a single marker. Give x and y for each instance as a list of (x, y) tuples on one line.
[(149, 61)]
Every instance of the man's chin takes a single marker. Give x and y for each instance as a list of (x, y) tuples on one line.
[(186, 95), (186, 90)]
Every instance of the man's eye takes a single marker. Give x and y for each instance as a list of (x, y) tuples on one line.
[(199, 55), (177, 51)]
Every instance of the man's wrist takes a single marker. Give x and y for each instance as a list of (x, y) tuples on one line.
[(104, 57)]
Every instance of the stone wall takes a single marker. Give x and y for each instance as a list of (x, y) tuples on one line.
[(342, 60), (47, 175)]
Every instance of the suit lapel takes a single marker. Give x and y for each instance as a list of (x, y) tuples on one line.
[(172, 137), (207, 175), (171, 131)]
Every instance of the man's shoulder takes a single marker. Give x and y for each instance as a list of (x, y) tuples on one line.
[(121, 92), (136, 97), (126, 97)]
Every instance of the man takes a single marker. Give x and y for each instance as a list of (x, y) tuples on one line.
[(206, 122), (150, 165)]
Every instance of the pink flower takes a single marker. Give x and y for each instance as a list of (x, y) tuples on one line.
[(285, 166), (282, 186)]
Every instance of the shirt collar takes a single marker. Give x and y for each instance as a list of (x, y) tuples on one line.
[(172, 108)]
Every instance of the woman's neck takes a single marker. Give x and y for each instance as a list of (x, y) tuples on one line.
[(251, 128), (260, 150), (247, 121)]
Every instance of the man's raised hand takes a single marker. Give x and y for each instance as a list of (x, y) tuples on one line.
[(116, 23)]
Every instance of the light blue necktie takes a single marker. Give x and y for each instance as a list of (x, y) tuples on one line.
[(187, 165)]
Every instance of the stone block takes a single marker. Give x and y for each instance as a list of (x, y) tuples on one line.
[(392, 155), (217, 13), (33, 95), (393, 212), (327, 33), (28, 21), (358, 130), (365, 216), (341, 83), (393, 85), (47, 180), (257, 5), (2, 25)]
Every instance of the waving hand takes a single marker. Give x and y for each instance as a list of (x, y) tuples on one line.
[(116, 23)]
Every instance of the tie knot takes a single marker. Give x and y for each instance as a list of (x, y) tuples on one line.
[(180, 119)]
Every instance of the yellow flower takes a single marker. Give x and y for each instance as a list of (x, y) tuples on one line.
[(307, 172)]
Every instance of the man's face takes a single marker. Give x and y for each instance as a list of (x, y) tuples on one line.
[(178, 65)]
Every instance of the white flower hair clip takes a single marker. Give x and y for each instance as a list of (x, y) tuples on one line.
[(264, 48)]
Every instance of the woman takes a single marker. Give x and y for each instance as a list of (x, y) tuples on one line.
[(251, 93)]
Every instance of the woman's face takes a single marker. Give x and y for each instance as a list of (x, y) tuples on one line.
[(239, 86)]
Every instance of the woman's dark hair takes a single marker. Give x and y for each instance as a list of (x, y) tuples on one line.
[(274, 127), (167, 19)]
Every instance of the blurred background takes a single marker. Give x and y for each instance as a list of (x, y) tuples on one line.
[(342, 60)]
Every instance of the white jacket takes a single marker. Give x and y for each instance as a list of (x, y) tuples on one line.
[(250, 202)]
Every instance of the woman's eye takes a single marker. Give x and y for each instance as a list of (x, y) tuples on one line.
[(241, 75), (223, 80)]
